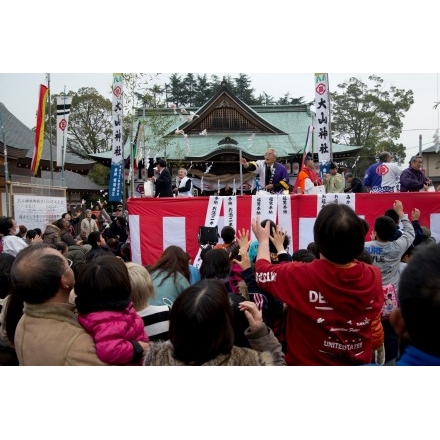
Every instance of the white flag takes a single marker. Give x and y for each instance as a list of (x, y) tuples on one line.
[(322, 105), (63, 111)]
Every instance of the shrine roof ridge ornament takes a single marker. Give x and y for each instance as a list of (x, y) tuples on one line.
[(227, 141)]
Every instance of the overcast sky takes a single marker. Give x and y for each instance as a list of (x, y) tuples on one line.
[(19, 93), (309, 37)]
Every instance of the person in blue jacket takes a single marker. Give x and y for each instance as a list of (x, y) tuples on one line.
[(417, 320)]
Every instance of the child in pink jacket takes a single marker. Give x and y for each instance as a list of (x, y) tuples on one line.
[(102, 293)]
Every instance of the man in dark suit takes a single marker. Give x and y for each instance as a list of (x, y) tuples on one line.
[(162, 180)]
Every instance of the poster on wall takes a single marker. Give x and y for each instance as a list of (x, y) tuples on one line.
[(38, 211)]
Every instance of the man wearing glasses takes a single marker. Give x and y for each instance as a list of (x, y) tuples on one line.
[(273, 176), (48, 332), (413, 178)]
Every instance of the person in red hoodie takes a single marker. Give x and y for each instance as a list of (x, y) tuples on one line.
[(332, 300)]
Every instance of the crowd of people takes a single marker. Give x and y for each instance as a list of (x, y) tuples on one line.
[(358, 295), (72, 296), (272, 177), (382, 176)]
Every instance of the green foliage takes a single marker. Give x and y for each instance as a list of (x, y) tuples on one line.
[(243, 90), (90, 128), (155, 138), (90, 122), (370, 117), (202, 91), (194, 91), (100, 174), (176, 92), (365, 115)]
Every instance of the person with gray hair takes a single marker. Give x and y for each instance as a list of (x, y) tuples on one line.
[(270, 175), (382, 176), (185, 184), (48, 333), (413, 179)]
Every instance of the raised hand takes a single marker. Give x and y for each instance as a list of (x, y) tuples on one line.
[(398, 207), (415, 214), (260, 233), (244, 262), (243, 238), (277, 238), (253, 315)]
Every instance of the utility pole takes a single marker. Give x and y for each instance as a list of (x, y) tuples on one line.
[(5, 154), (63, 146), (420, 145)]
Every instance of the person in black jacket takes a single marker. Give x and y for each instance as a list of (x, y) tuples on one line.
[(99, 246), (162, 180), (355, 184)]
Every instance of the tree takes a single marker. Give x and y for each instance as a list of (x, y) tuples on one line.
[(370, 118), (215, 82), (243, 89), (176, 91), (202, 90), (100, 174), (265, 99), (151, 98), (286, 100), (142, 101), (189, 84), (90, 128), (296, 101)]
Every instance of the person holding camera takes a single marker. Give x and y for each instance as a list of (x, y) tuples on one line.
[(413, 178)]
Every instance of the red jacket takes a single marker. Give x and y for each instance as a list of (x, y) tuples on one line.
[(329, 309)]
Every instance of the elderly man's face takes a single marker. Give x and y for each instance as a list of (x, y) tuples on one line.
[(417, 164), (181, 174), (269, 157)]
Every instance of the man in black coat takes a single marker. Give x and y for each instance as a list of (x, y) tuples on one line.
[(163, 180), (355, 184)]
